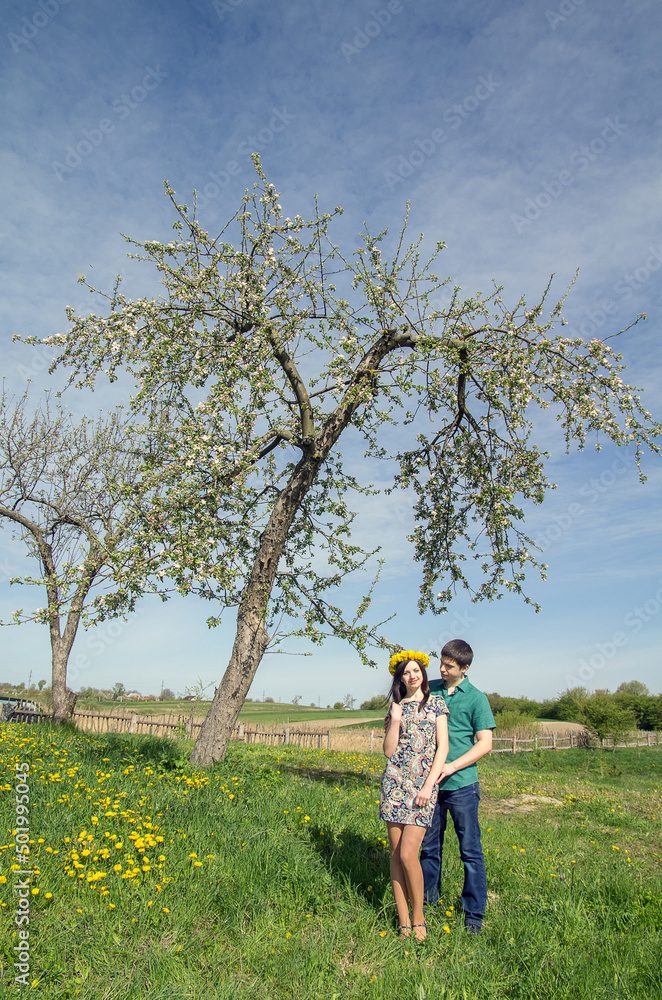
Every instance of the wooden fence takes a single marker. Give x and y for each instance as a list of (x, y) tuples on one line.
[(121, 721), (21, 710), (515, 744), (189, 726), (357, 740)]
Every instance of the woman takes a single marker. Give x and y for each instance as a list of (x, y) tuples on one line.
[(416, 744)]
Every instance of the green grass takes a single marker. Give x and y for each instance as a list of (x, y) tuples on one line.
[(267, 877), (268, 713)]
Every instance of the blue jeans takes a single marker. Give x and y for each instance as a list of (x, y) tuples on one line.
[(462, 804)]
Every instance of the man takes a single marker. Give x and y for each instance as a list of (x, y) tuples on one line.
[(470, 725)]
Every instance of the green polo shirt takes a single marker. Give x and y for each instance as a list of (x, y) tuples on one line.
[(468, 712)]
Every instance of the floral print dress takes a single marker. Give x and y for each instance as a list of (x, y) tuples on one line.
[(406, 771)]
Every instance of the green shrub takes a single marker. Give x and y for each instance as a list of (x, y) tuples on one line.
[(376, 704), (516, 722)]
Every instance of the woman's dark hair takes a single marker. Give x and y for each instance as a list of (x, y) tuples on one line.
[(399, 688)]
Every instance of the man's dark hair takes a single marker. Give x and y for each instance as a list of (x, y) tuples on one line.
[(458, 650)]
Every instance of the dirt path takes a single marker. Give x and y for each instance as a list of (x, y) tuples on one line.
[(322, 725), (549, 728)]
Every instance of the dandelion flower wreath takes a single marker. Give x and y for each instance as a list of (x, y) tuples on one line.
[(407, 654)]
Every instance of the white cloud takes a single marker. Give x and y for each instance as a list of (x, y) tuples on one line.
[(221, 79)]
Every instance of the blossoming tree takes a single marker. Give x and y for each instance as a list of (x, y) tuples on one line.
[(68, 490), (267, 346)]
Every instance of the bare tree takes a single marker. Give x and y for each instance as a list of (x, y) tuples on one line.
[(68, 490), (197, 690)]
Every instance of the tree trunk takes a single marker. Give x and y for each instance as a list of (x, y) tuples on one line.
[(250, 643), (64, 700), (251, 639)]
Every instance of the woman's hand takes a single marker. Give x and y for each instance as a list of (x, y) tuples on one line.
[(396, 712), (392, 729), (423, 797)]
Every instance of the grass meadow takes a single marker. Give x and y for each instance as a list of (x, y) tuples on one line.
[(261, 713), (267, 876)]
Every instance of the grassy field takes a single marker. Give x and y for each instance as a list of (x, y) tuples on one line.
[(267, 713), (267, 876)]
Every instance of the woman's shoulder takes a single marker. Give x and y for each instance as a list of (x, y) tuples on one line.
[(437, 704)]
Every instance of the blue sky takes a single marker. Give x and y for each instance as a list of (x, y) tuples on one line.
[(526, 136)]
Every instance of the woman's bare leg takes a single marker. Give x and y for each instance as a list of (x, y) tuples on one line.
[(398, 877), (409, 849)]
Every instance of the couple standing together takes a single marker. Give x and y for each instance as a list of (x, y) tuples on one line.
[(433, 742)]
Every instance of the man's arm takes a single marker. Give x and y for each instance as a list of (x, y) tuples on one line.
[(482, 746), (426, 791)]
